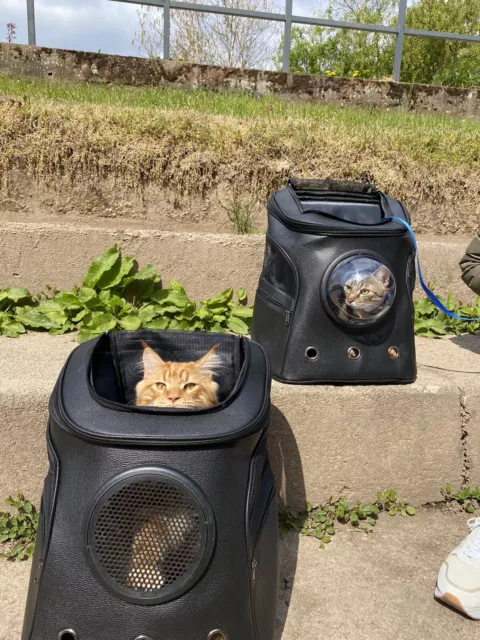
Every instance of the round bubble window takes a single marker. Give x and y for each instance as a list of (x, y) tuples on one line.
[(359, 290)]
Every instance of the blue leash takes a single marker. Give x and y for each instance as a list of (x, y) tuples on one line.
[(438, 303)]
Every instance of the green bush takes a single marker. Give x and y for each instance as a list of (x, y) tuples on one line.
[(116, 294)]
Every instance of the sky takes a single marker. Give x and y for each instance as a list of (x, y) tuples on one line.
[(88, 25)]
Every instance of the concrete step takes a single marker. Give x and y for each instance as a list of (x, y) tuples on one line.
[(324, 440), (33, 255), (375, 587)]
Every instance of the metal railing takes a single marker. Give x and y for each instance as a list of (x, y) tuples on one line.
[(400, 31)]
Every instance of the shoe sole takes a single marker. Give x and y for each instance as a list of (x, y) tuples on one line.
[(454, 602)]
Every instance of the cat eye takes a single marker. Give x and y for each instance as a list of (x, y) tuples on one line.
[(365, 291), (160, 385), (189, 386), (347, 287)]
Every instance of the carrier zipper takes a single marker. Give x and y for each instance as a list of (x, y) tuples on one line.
[(254, 571), (276, 305), (320, 230)]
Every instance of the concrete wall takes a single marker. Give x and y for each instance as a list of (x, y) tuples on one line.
[(58, 64)]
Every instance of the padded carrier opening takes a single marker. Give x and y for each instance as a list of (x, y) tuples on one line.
[(117, 362)]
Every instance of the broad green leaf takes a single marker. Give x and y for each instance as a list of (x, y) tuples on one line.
[(68, 300), (158, 323), (203, 314), (14, 294), (115, 275), (100, 266), (12, 325), (101, 322), (170, 297), (31, 317), (216, 328), (221, 298), (68, 326), (130, 323), (237, 326), (148, 312), (147, 273), (176, 286), (241, 295), (241, 312), (84, 335), (86, 294)]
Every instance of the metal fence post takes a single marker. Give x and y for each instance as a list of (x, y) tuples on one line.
[(287, 37), (166, 30), (31, 22), (397, 63)]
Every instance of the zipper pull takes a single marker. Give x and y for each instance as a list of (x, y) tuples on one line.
[(288, 315), (254, 570)]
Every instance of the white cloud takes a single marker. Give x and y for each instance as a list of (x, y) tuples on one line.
[(90, 25)]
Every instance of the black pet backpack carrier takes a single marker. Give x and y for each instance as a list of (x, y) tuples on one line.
[(156, 524), (334, 302)]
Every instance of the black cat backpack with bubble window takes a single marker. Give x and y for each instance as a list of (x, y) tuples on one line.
[(156, 524), (334, 301)]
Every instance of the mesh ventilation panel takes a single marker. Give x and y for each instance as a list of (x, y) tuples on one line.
[(149, 534)]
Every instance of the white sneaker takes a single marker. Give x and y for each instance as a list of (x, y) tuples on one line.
[(458, 582)]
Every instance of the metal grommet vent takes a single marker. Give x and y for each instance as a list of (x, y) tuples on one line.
[(67, 634), (311, 353), (150, 535), (217, 635), (354, 353), (142, 638), (393, 352)]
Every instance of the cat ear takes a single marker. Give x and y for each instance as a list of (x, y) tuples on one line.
[(383, 274), (210, 361), (151, 360)]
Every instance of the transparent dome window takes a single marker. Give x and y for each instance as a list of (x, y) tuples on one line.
[(360, 290)]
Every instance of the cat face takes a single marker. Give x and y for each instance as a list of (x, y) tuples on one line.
[(365, 296), (178, 385)]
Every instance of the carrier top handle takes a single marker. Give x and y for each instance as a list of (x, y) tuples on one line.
[(340, 186)]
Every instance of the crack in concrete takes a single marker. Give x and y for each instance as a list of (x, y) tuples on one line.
[(465, 417)]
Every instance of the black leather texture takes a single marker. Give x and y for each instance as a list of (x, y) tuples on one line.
[(222, 452), (313, 230)]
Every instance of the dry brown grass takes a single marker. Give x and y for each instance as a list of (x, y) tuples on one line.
[(435, 170)]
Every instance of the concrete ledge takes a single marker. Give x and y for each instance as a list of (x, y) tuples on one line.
[(33, 255), (324, 440), (385, 580)]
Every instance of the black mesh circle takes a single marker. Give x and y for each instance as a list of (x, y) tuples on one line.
[(149, 535)]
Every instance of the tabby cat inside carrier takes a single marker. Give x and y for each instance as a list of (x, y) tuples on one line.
[(334, 301)]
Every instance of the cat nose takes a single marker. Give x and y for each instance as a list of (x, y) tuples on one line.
[(351, 298), (173, 398)]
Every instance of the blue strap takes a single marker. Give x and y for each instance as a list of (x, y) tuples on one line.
[(428, 291)]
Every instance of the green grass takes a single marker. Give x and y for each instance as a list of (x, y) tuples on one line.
[(235, 104), (194, 141)]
